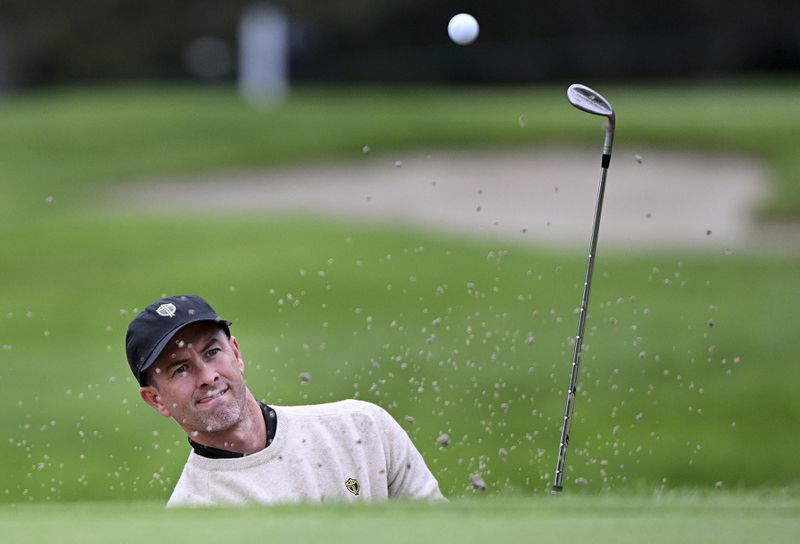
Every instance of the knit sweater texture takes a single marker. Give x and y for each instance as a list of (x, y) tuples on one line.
[(342, 451)]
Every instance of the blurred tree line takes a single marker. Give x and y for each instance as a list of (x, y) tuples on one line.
[(55, 42)]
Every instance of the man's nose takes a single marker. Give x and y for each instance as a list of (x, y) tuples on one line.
[(206, 373)]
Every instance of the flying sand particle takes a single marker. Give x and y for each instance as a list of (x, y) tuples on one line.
[(477, 482)]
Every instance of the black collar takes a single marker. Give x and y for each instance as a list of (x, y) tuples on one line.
[(271, 421)]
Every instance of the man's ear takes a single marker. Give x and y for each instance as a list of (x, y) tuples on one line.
[(150, 395), (238, 353)]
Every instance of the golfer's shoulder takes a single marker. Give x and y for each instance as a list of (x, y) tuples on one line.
[(341, 409)]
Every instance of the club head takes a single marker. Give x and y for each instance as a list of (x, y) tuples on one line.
[(589, 100)]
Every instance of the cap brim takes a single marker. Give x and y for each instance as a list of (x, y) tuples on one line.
[(223, 323)]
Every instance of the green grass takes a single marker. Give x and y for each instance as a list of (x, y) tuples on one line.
[(687, 380), (689, 371), (65, 142), (721, 518)]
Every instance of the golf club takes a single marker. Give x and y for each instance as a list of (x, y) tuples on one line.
[(590, 101)]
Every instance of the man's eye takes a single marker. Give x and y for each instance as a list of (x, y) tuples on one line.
[(213, 351), (182, 369)]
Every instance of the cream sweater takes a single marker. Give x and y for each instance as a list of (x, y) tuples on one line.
[(342, 451)]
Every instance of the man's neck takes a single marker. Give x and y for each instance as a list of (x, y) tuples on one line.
[(248, 436)]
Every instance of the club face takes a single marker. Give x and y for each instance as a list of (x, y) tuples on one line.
[(589, 100)]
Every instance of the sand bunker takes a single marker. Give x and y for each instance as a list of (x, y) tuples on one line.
[(545, 196)]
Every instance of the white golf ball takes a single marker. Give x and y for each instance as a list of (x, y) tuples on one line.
[(463, 29)]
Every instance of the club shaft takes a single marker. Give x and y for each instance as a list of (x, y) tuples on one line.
[(576, 355)]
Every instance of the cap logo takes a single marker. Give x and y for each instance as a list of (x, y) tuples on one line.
[(166, 310)]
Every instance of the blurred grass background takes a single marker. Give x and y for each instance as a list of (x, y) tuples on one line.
[(64, 142), (688, 378), (699, 517)]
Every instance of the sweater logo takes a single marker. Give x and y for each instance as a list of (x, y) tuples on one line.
[(352, 486)]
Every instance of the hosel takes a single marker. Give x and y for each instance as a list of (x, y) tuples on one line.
[(609, 141)]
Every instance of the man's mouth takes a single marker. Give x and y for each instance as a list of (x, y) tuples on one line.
[(213, 394)]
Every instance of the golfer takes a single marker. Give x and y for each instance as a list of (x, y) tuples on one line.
[(190, 368)]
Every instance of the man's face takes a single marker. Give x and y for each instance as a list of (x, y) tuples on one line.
[(198, 380)]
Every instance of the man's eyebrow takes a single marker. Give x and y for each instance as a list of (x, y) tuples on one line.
[(211, 342), (175, 362)]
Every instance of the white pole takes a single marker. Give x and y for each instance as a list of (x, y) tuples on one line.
[(263, 54)]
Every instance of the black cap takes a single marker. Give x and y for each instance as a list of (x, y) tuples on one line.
[(151, 330)]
